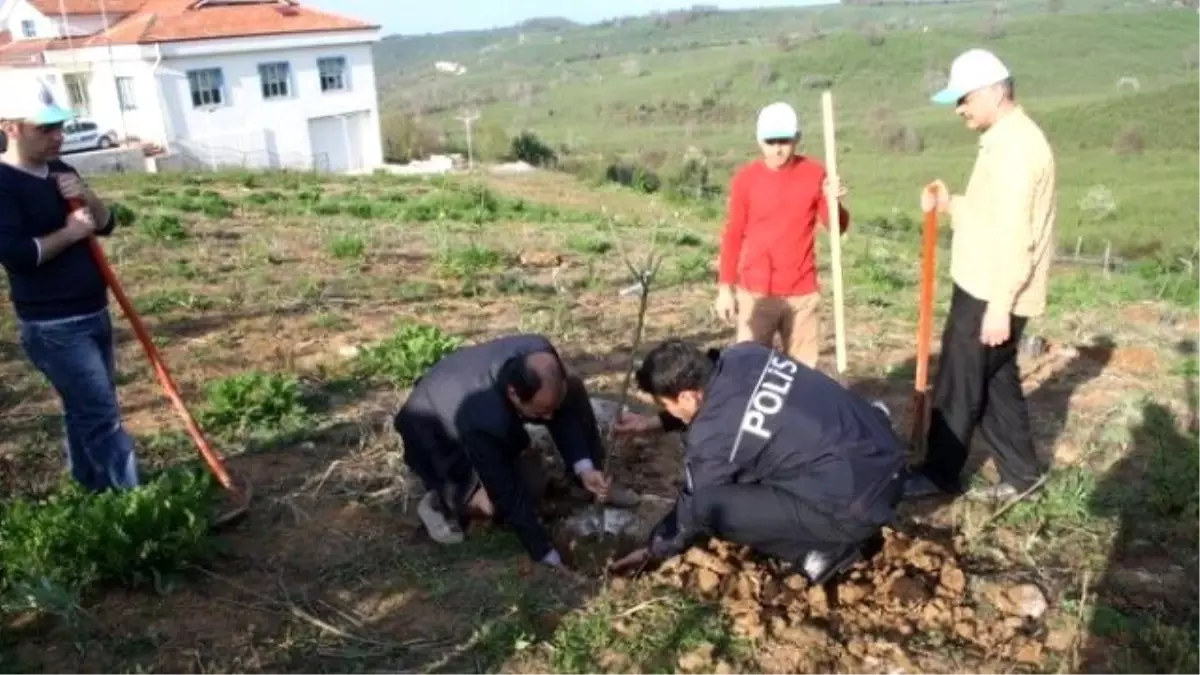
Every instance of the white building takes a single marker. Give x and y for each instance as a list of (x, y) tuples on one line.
[(258, 83)]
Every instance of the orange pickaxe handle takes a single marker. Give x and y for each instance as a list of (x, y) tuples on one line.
[(214, 461), (921, 410)]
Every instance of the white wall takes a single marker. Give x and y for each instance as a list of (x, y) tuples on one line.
[(269, 132), (53, 25), (23, 11)]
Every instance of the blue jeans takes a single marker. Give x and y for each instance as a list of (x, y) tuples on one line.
[(76, 355)]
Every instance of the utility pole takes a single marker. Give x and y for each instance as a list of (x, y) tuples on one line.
[(468, 118)]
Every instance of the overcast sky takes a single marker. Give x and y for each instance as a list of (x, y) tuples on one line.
[(411, 17)]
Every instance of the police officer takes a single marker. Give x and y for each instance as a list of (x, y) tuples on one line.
[(777, 456), (464, 435)]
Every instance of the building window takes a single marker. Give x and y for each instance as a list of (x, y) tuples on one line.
[(28, 28), (77, 92), (208, 87), (125, 93), (276, 80), (332, 70)]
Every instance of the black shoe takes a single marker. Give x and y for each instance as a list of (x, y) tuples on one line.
[(821, 566), (919, 486)]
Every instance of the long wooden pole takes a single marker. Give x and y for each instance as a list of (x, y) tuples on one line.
[(921, 408), (835, 230)]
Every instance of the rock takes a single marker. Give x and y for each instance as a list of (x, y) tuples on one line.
[(705, 560), (965, 630), (1027, 600), (953, 580), (697, 659), (818, 603), (1029, 652), (849, 594), (723, 668), (707, 580), (796, 582), (1061, 639), (613, 661)]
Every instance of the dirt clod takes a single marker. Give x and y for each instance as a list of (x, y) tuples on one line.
[(911, 588)]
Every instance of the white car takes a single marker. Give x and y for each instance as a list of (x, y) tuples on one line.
[(83, 134), (79, 135)]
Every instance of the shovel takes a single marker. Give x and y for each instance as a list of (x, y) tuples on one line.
[(921, 409), (239, 491)]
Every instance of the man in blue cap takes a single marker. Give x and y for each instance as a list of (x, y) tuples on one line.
[(1000, 262), (57, 290)]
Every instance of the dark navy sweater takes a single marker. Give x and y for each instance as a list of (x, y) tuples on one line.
[(68, 285)]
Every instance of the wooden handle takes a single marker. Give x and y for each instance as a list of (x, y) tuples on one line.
[(214, 461), (835, 230), (921, 407)]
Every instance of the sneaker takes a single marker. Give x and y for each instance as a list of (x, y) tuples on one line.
[(1001, 492), (821, 566), (440, 528), (623, 497)]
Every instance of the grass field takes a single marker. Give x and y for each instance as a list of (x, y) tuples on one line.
[(294, 310), (648, 90)]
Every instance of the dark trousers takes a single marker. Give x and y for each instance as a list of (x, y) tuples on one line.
[(978, 387), (775, 522), (444, 468)]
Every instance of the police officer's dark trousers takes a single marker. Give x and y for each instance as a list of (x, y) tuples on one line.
[(774, 521)]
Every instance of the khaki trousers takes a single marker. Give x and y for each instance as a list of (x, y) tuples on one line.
[(794, 318)]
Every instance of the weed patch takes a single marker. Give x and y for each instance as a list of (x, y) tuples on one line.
[(74, 539), (254, 402), (403, 357)]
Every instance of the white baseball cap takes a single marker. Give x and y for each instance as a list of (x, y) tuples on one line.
[(973, 69), (31, 99), (777, 120)]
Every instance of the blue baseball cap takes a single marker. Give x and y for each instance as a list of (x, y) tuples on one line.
[(973, 69), (31, 99)]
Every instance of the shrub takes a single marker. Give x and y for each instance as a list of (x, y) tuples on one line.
[(254, 401), (73, 538), (633, 176), (1129, 141), (528, 148), (406, 355)]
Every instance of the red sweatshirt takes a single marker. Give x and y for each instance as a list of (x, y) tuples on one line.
[(767, 246)]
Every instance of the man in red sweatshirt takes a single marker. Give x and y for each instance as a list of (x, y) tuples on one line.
[(767, 280)]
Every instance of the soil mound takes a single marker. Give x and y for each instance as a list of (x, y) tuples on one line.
[(908, 608)]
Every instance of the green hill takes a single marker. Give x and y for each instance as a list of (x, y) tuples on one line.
[(1114, 85)]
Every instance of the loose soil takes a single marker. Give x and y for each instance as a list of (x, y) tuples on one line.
[(905, 609)]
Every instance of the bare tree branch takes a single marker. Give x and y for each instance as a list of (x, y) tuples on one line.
[(644, 272)]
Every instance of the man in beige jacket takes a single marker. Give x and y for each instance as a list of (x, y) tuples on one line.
[(1000, 257)]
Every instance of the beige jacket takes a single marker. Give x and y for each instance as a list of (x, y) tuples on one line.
[(1003, 224)]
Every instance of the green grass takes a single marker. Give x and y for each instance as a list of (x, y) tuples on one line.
[(701, 82)]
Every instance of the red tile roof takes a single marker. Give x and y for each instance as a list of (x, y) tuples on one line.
[(25, 52), (183, 20), (69, 7)]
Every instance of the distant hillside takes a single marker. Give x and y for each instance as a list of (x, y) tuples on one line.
[(597, 86), (1114, 84)]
